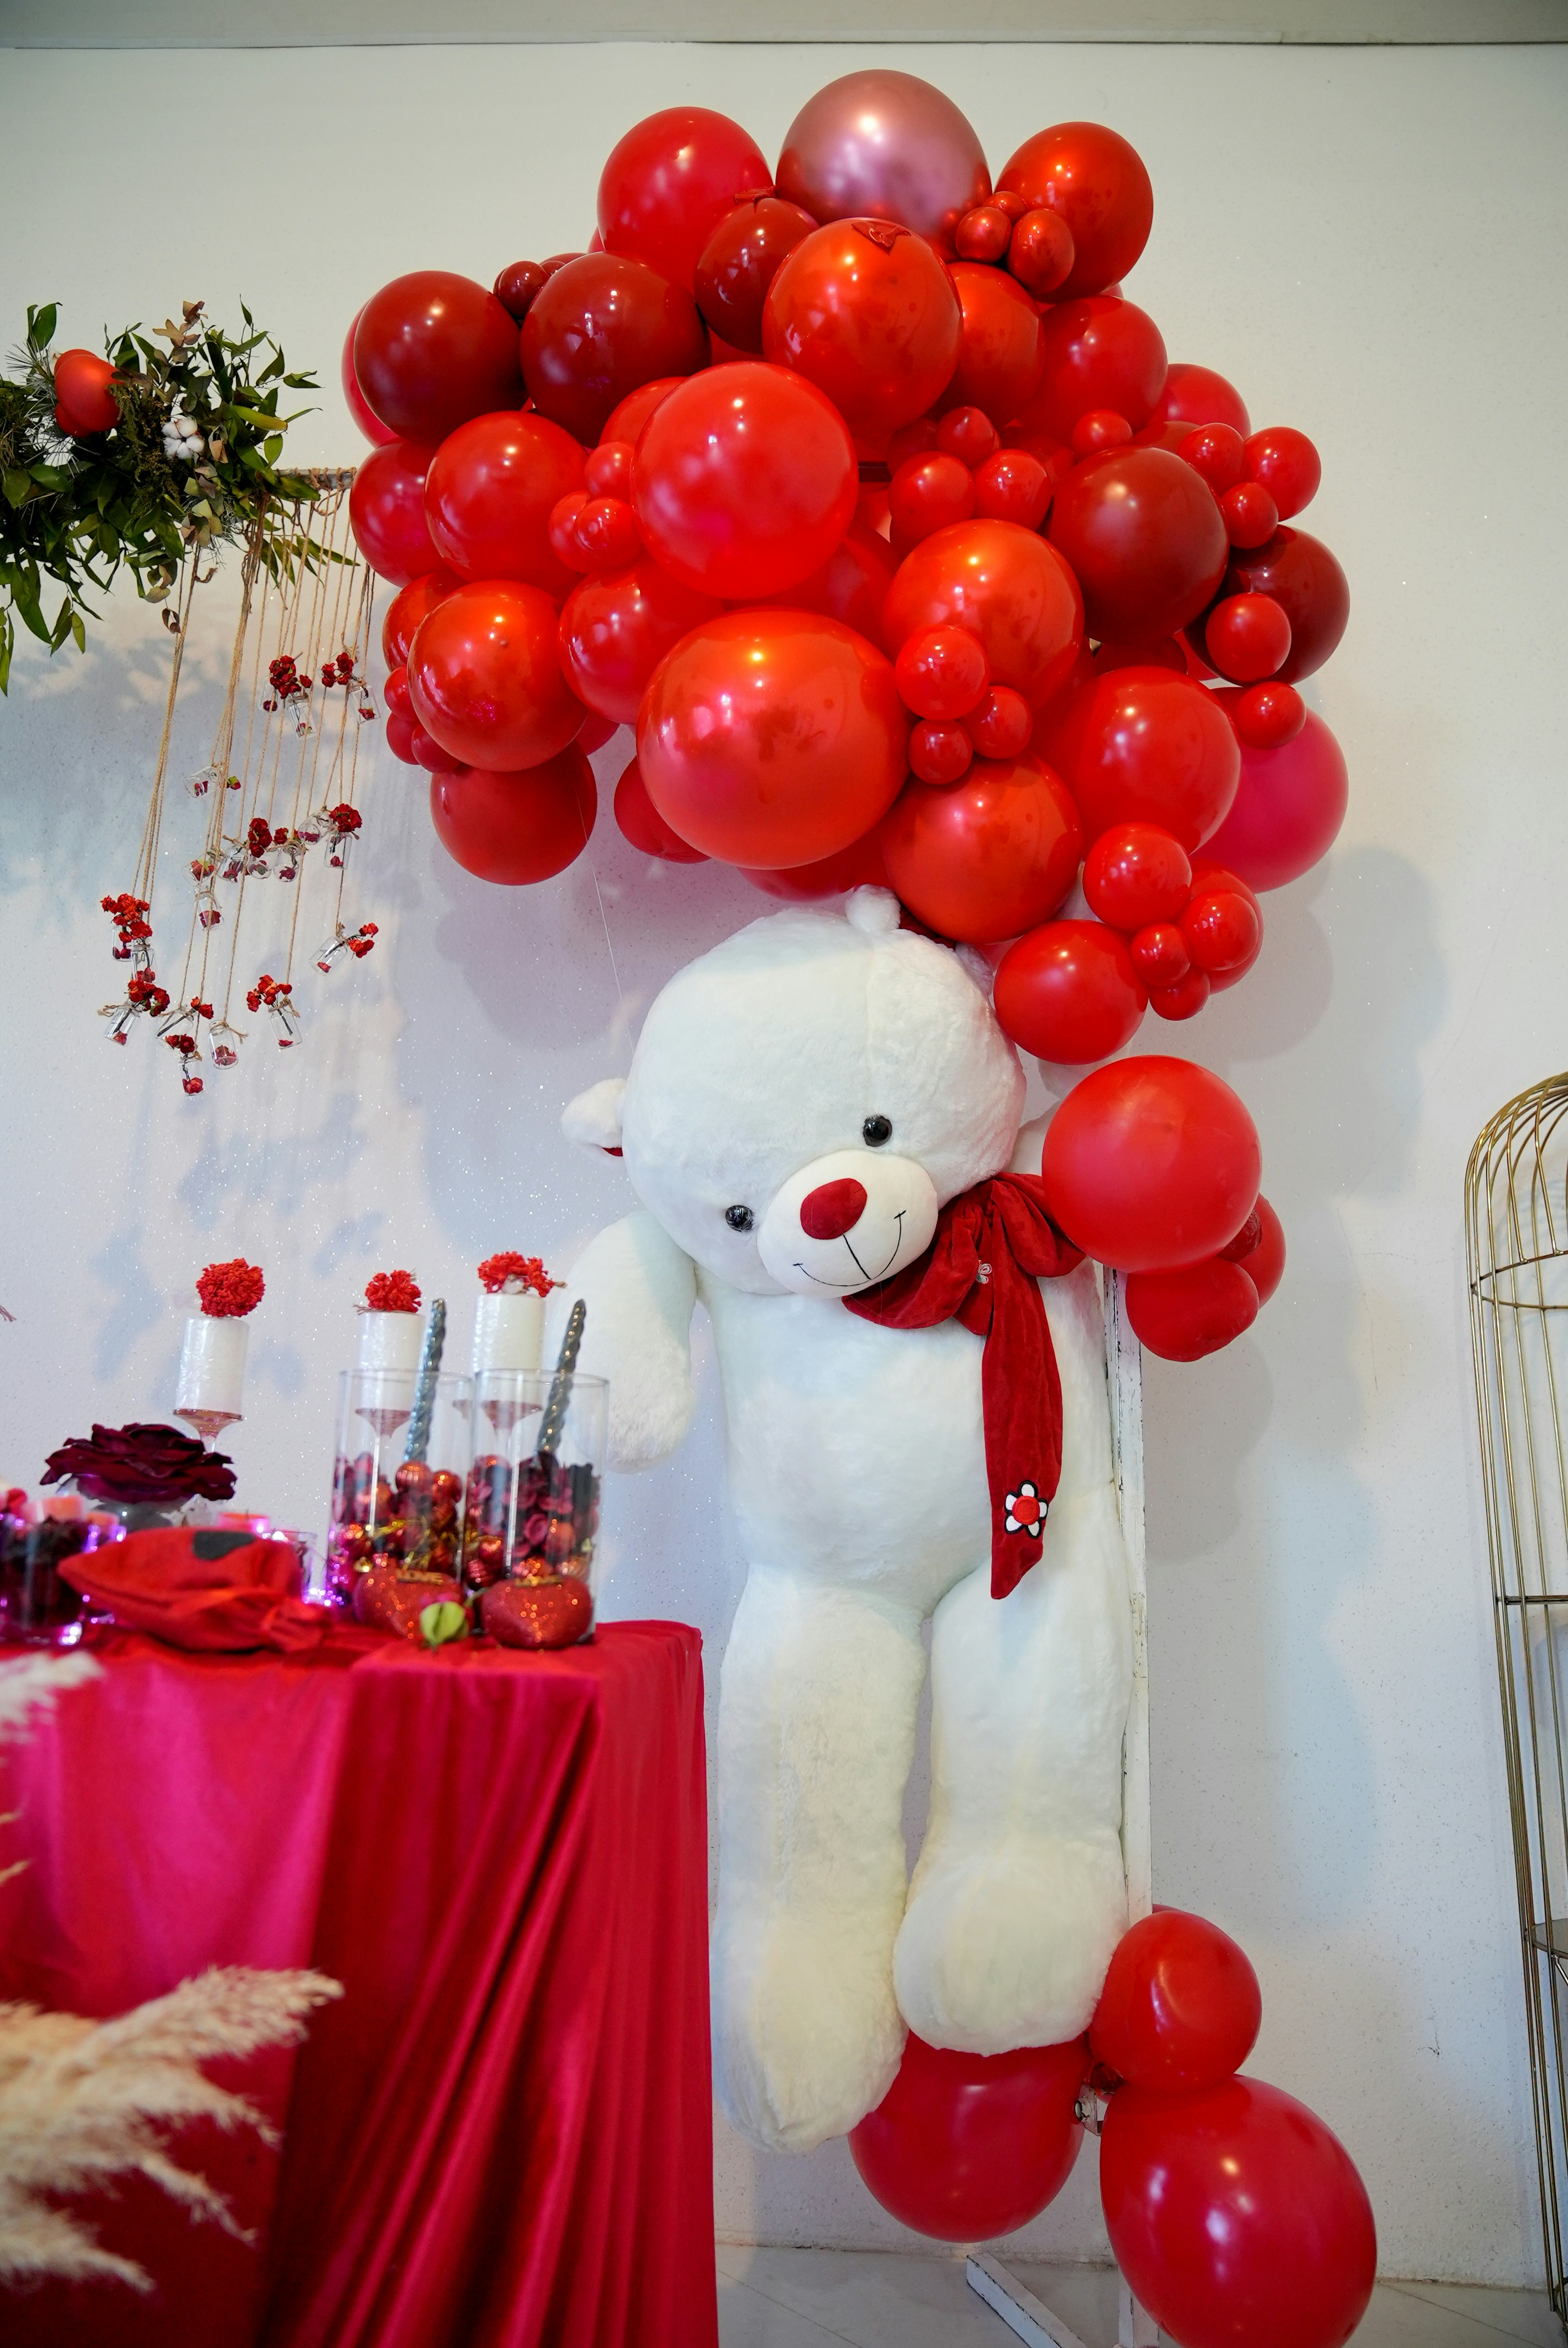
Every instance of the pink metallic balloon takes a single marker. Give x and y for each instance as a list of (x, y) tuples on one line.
[(884, 145)]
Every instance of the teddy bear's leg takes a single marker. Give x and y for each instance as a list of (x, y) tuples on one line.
[(1018, 1895), (816, 1732)]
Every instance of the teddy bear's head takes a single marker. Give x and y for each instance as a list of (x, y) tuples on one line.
[(804, 1098)]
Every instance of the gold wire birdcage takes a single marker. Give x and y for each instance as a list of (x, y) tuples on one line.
[(1516, 1248)]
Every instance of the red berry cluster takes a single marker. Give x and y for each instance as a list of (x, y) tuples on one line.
[(228, 1291), (129, 916), (513, 1274), (955, 468), (1189, 926), (344, 820), (145, 992), (392, 1292), (267, 992)]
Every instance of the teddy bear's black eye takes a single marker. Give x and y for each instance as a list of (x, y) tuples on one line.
[(739, 1218), (877, 1130)]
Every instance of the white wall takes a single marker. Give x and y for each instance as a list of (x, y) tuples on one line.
[(1370, 243)]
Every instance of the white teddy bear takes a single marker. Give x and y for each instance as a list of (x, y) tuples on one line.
[(802, 1102)]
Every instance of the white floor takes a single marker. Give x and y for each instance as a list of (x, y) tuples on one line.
[(863, 2298)]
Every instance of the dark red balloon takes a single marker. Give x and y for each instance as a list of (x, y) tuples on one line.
[(601, 328), (740, 261), (1180, 2006), (859, 866), (488, 495), (1288, 806), (431, 349), (1095, 353), (866, 311), (515, 286), (520, 826), (1151, 1163), (386, 510), (1002, 347), (670, 181), (407, 610), (1097, 183), (1237, 2216), (1007, 585), (1187, 1315), (1146, 745), (1196, 395), (640, 821), (1306, 582), (616, 628), (1145, 540), (377, 433), (1068, 992), (485, 678), (986, 856), (968, 2147)]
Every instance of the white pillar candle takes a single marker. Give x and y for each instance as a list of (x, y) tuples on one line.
[(390, 1341), (212, 1363), (509, 1331)]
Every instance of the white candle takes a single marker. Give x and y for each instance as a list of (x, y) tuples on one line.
[(509, 1331), (212, 1363), (390, 1341)]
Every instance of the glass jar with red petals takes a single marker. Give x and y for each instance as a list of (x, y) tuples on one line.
[(531, 1523), (399, 1484)]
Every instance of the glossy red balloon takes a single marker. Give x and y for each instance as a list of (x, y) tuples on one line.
[(1151, 1163), (1097, 183), (1001, 350), (515, 828), (484, 676), (1136, 873), (745, 481), (84, 402), (1308, 584), (1259, 1250), (1042, 252), (968, 2147), (386, 510), (866, 311), (640, 821), (1247, 638), (626, 422), (1288, 806), (1185, 1315), (773, 737), (488, 495), (1222, 928), (1007, 585), (740, 261), (1237, 2216), (852, 584), (988, 857), (1014, 486), (1196, 395), (1095, 353), (431, 349), (515, 286), (1068, 992), (668, 183), (887, 146), (1001, 725), (859, 866), (616, 628), (942, 672), (407, 608), (1145, 540), (1146, 745), (601, 328), (1265, 715), (929, 493), (377, 433), (401, 730), (1180, 2006), (1287, 465)]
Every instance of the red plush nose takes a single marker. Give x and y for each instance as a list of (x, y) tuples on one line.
[(832, 1209)]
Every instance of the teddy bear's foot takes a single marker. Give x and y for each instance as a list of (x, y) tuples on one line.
[(807, 2035), (1009, 1947)]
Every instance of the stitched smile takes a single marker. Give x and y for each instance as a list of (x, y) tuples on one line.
[(866, 1280)]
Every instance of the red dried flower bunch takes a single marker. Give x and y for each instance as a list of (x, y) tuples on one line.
[(154, 1465), (268, 990), (259, 839), (338, 672), (392, 1292), (230, 1289), (144, 991), (511, 1274), (288, 683), (128, 915)]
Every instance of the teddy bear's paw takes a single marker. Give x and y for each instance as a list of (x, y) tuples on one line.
[(1009, 1947), (807, 2035)]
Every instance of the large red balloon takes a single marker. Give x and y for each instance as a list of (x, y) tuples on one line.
[(1068, 992), (1146, 745), (1307, 583), (431, 349), (1098, 184), (1180, 2006), (489, 494), (866, 311), (598, 330), (1002, 349), (616, 628), (485, 677), (1196, 395), (668, 183), (1097, 353), (359, 408), (745, 481), (883, 145), (968, 2147), (520, 826), (1005, 584), (1288, 806), (773, 737), (1237, 2216), (986, 856), (1186, 1314), (859, 866), (1151, 1163), (740, 261), (386, 510), (1145, 539), (408, 607)]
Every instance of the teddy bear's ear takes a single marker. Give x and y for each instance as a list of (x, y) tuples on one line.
[(874, 911), (593, 1119)]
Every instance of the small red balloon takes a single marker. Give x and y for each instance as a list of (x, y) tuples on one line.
[(670, 181), (1098, 428), (401, 730), (386, 511), (1217, 451), (489, 493), (1159, 955), (1180, 2006), (983, 233), (942, 672), (84, 397), (377, 433), (515, 286), (1151, 1163), (607, 469), (601, 328), (1224, 930), (426, 752), (520, 826), (408, 607), (929, 493), (1094, 181), (866, 311), (1002, 347), (1145, 745), (485, 679), (1136, 873), (740, 261), (1249, 514), (1260, 1248), (968, 2147), (1097, 353), (1247, 638), (1014, 486), (431, 349), (641, 822), (968, 434), (1007, 585), (1185, 1315), (1144, 538), (1286, 464), (1001, 725), (1042, 253), (615, 631), (1307, 582), (986, 856), (1288, 806), (1196, 395), (1265, 715), (859, 866), (940, 751), (1183, 1000), (1069, 993)]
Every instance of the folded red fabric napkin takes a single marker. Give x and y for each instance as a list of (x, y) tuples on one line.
[(201, 1587)]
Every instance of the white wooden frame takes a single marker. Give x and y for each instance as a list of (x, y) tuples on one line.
[(1018, 2307)]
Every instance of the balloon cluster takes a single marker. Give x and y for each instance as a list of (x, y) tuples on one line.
[(1234, 2212), (858, 488)]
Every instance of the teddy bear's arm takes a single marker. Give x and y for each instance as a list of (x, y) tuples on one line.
[(640, 1290)]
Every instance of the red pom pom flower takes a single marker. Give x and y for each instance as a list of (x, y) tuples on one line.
[(510, 1274), (228, 1290), (392, 1292)]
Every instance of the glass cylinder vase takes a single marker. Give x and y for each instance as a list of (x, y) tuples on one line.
[(532, 1511), (387, 1507)]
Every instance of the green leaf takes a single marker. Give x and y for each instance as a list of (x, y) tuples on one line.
[(7, 639), (41, 325), (271, 448), (77, 631), (18, 487)]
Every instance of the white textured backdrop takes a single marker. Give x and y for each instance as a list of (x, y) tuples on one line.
[(1370, 243)]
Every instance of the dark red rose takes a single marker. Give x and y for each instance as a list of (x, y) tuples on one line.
[(156, 1465)]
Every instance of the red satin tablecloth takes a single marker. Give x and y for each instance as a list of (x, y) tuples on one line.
[(501, 2134)]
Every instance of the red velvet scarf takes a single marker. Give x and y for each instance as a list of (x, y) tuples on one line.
[(993, 1245)]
